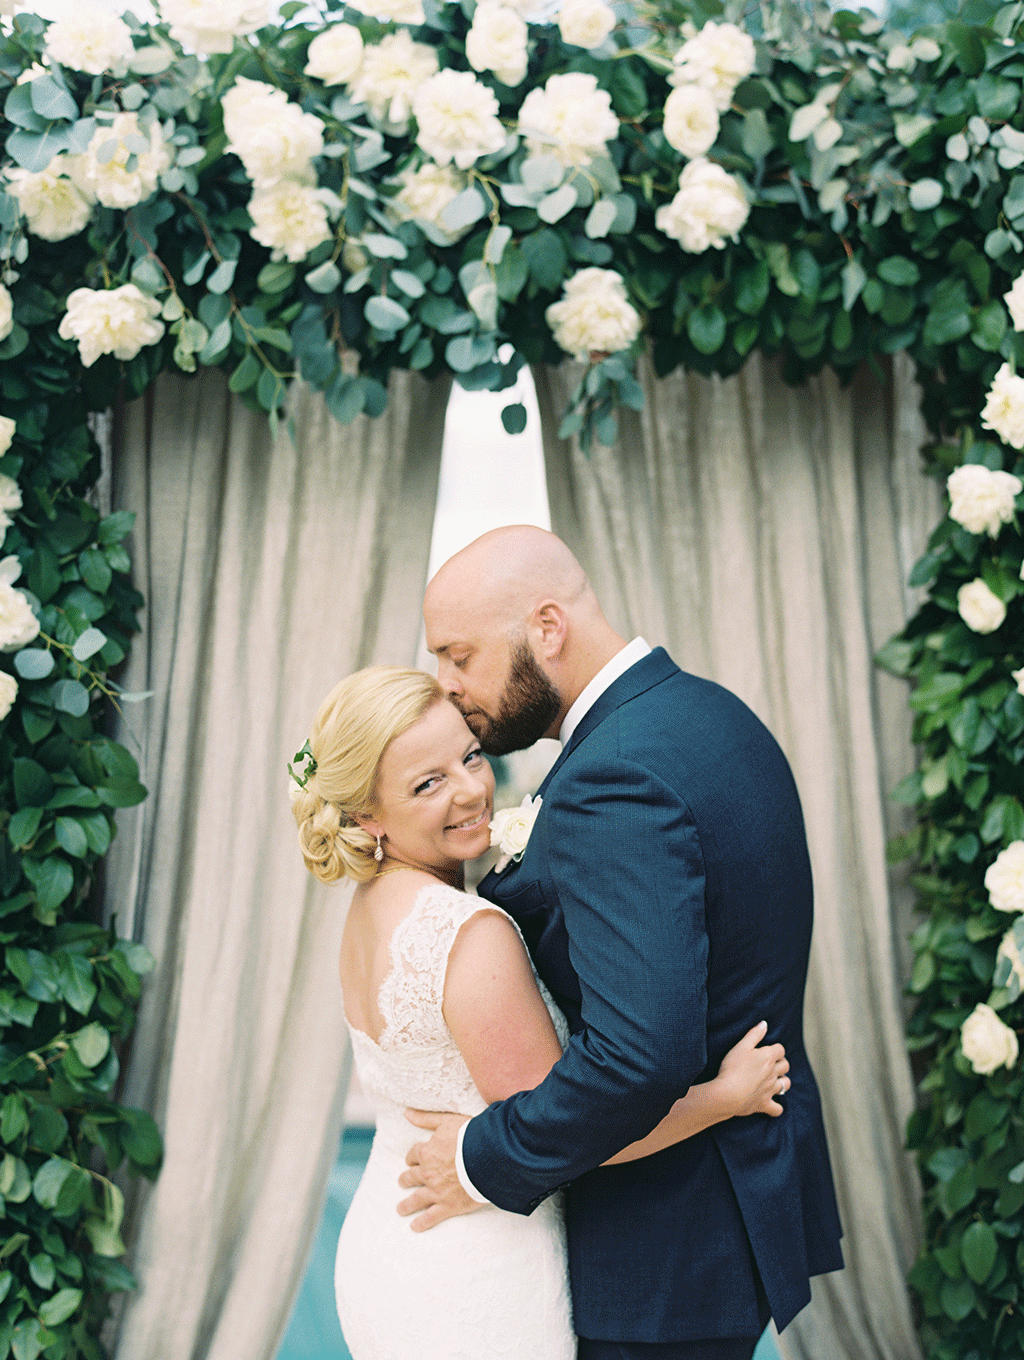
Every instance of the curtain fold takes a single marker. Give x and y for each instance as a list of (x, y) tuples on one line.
[(763, 535), (270, 569)]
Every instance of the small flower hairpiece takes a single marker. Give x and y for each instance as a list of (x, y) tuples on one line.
[(309, 768)]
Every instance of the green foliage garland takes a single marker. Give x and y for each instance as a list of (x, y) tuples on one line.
[(860, 193)]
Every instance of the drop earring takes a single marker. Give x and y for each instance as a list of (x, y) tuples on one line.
[(378, 854)]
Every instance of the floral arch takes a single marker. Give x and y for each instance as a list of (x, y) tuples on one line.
[(415, 185)]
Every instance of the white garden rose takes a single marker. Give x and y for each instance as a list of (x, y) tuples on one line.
[(132, 173), (457, 118), (10, 500), (90, 39), (290, 218), (18, 625), (510, 830), (594, 315), (1018, 679), (426, 192), (53, 205), (691, 120), (7, 428), (981, 609), (569, 118), (270, 135), (8, 693), (335, 55), (6, 313), (982, 500), (717, 58), (1014, 300), (1004, 878), (1004, 407), (986, 1042), (585, 23), (212, 25), (709, 208), (118, 321), (395, 11), (391, 73), (496, 42)]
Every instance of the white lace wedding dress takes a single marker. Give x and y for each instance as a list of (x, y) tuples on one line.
[(479, 1287)]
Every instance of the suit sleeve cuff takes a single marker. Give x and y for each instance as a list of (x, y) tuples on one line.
[(460, 1167)]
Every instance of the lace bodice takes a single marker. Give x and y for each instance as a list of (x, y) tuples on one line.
[(415, 1062)]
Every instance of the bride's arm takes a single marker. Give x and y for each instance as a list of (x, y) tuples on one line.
[(502, 1028)]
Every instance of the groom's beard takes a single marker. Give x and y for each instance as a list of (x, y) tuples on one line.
[(529, 704)]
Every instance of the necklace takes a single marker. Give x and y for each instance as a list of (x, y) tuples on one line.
[(395, 869)]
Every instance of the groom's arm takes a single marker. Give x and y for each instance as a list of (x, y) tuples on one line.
[(627, 862)]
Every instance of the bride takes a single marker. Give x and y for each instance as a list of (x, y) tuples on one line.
[(446, 1013)]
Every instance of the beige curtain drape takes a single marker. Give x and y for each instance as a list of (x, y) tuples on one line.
[(270, 569), (762, 534)]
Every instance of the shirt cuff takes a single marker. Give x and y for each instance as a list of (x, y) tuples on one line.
[(460, 1168)]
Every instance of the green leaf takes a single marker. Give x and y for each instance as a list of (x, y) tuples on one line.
[(42, 1270), (91, 1044), (245, 374), (87, 644), (140, 1137), (113, 528), (53, 878), (32, 785), (385, 314), (545, 258), (978, 1249), (996, 97), (52, 101), (27, 1340), (71, 837), (70, 696), (897, 269), (59, 1308), (50, 1180), (23, 827), (970, 50), (752, 287), (324, 278), (463, 210), (957, 1299), (513, 418), (706, 328)]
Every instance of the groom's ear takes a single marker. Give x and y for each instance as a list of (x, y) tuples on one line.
[(550, 628)]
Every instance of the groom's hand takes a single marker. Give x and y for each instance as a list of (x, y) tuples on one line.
[(438, 1192)]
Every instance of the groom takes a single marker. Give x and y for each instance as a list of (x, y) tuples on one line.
[(665, 896)]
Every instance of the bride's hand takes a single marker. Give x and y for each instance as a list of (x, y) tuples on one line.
[(751, 1077)]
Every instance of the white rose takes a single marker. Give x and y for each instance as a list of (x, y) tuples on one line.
[(1004, 879), (497, 42), (717, 58), (18, 625), (986, 1042), (510, 830), (90, 39), (51, 202), (392, 72), (270, 135), (1014, 300), (212, 25), (691, 120), (426, 192), (290, 218), (585, 23), (8, 693), (979, 608), (10, 499), (1004, 407), (982, 500), (457, 118), (1018, 677), (6, 313), (7, 428), (569, 118), (132, 173), (335, 55), (118, 321), (594, 315), (395, 11), (709, 208)]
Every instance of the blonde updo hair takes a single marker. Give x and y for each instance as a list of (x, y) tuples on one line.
[(354, 726)]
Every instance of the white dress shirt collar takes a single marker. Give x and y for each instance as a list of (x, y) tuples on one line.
[(620, 663)]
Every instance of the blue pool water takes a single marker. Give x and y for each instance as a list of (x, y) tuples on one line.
[(313, 1333)]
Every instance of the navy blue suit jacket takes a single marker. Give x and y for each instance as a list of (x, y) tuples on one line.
[(665, 896)]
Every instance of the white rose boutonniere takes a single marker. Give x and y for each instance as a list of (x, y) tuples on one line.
[(510, 830)]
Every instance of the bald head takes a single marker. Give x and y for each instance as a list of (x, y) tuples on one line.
[(518, 634), (505, 574)]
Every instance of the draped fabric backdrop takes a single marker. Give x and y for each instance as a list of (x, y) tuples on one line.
[(762, 534), (270, 569)]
